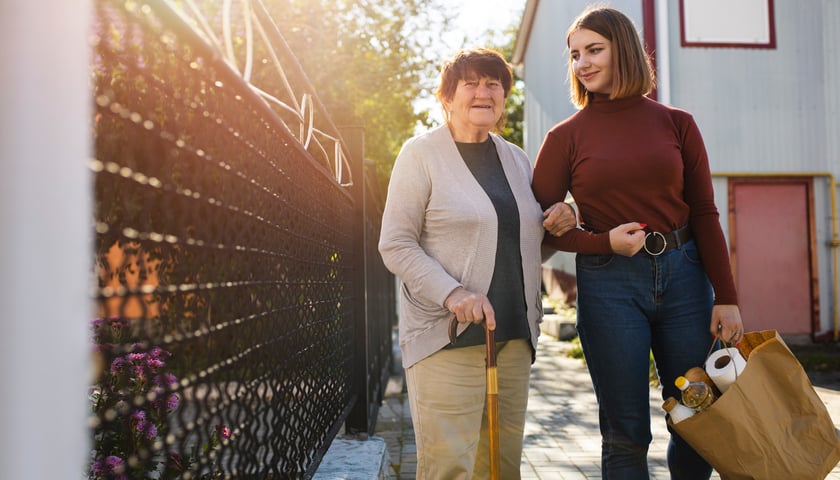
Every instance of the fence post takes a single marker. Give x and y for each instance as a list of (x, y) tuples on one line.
[(359, 420), (45, 251)]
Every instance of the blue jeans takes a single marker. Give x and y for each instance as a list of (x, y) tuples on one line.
[(628, 307)]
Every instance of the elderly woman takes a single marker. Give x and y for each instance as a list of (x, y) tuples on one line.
[(462, 231)]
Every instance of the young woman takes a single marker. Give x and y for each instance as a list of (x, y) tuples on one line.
[(653, 269)]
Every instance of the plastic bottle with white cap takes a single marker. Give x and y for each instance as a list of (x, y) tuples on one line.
[(676, 410), (696, 395)]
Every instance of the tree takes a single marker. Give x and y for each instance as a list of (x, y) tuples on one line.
[(368, 61)]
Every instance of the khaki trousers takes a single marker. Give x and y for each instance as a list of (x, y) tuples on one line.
[(447, 397)]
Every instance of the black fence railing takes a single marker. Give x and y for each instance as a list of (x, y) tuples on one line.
[(243, 314)]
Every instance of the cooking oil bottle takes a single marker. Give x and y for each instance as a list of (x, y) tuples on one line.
[(696, 395)]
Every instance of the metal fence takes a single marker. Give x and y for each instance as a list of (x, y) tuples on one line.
[(243, 314)]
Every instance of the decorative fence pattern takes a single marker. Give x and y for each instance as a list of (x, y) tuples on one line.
[(243, 312)]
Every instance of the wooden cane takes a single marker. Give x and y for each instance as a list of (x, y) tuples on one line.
[(492, 396), (493, 405)]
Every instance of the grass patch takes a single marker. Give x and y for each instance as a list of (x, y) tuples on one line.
[(819, 362), (575, 351)]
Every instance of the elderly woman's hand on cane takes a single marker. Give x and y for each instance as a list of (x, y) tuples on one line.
[(470, 307)]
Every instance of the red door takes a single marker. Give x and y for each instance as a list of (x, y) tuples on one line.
[(771, 240)]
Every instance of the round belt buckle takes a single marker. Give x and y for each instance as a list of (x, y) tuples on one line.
[(656, 236)]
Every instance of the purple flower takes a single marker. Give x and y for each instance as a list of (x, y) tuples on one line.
[(157, 352), (116, 322), (97, 468), (131, 373), (139, 373), (117, 365), (114, 463), (157, 397), (138, 421), (166, 380), (136, 357), (154, 363)]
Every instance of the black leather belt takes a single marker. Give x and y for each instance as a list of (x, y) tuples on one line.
[(657, 243)]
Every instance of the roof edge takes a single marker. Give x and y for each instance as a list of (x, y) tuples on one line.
[(523, 35)]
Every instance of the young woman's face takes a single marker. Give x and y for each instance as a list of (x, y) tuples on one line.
[(591, 56)]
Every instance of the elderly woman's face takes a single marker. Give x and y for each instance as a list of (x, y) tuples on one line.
[(477, 104)]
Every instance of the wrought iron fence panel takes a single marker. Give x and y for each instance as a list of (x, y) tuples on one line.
[(224, 261)]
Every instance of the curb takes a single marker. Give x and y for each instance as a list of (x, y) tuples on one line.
[(350, 458)]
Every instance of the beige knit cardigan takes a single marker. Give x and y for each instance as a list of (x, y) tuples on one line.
[(439, 232)]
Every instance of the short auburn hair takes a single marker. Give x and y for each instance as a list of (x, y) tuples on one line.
[(632, 70), (480, 62)]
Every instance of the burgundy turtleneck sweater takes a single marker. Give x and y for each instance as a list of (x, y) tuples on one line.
[(633, 160)]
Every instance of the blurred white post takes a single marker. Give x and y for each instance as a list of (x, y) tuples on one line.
[(45, 238)]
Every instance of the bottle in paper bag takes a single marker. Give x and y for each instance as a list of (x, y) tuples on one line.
[(676, 410), (696, 395), (698, 374)]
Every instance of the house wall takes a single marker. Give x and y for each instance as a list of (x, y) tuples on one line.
[(771, 111), (758, 109), (830, 14)]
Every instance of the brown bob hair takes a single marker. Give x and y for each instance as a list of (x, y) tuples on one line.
[(481, 62), (632, 70)]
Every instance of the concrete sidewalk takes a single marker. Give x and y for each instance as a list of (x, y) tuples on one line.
[(562, 441)]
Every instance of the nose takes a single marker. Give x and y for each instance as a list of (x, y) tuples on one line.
[(482, 91)]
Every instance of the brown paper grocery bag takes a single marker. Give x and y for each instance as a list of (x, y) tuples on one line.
[(770, 424)]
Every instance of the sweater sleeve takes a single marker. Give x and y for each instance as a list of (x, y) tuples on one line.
[(704, 218), (403, 221), (551, 181)]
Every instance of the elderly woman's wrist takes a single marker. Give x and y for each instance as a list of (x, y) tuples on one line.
[(450, 298)]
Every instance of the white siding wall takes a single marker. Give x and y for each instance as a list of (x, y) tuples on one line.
[(831, 94), (831, 84), (758, 109)]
